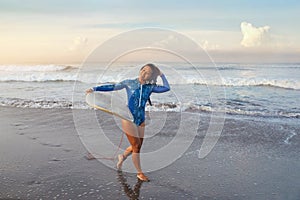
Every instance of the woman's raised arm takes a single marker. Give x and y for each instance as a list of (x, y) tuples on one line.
[(162, 88)]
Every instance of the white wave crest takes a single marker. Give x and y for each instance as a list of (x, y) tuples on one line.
[(233, 82), (33, 68), (44, 73), (283, 83), (38, 77), (166, 107)]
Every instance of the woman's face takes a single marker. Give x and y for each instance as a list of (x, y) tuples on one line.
[(145, 74)]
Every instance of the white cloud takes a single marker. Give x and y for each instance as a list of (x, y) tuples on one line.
[(175, 42), (209, 46), (171, 40), (78, 43), (254, 36)]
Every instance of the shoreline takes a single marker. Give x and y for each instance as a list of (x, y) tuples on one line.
[(42, 157)]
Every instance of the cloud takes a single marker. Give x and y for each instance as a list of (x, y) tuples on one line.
[(209, 46), (170, 40), (254, 36), (174, 41), (78, 43)]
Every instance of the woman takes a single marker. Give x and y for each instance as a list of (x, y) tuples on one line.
[(138, 93)]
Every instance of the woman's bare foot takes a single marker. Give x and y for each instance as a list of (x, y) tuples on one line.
[(121, 159), (141, 176), (90, 156)]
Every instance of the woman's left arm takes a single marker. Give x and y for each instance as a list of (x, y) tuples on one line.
[(164, 88)]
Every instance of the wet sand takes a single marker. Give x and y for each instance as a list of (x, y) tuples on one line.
[(42, 157)]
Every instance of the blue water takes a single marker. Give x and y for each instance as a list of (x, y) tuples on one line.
[(265, 90)]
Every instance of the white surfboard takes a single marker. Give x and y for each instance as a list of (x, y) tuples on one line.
[(110, 102)]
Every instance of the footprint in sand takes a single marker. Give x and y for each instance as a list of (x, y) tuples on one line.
[(55, 159), (54, 145), (20, 125), (17, 124), (67, 150), (22, 128), (33, 182), (50, 145), (32, 137)]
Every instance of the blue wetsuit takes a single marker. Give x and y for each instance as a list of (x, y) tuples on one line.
[(137, 95)]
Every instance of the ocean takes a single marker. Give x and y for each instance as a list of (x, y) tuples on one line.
[(268, 91), (252, 154)]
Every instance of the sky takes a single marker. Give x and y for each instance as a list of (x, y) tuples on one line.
[(67, 31)]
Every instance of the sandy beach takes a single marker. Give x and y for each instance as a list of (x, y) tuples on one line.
[(42, 157), (222, 123)]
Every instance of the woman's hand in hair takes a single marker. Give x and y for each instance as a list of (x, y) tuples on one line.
[(160, 72)]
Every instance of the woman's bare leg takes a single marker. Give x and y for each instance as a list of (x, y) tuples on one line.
[(135, 137), (127, 152), (141, 131), (136, 146), (123, 157), (131, 131)]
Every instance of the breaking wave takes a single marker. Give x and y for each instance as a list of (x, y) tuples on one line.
[(156, 107)]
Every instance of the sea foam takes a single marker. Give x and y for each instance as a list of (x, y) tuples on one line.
[(33, 68)]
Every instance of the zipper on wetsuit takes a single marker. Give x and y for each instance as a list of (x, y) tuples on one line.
[(141, 95)]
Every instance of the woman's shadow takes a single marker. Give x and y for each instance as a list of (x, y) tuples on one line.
[(132, 193)]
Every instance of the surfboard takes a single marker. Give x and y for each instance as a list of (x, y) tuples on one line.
[(110, 102)]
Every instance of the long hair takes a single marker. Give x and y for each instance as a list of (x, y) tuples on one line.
[(155, 73), (153, 78)]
